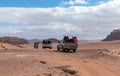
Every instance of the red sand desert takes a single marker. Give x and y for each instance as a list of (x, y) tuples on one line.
[(91, 59)]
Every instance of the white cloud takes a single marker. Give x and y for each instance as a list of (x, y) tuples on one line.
[(74, 2), (93, 22)]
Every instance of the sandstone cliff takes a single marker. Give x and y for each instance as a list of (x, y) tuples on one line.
[(114, 35)]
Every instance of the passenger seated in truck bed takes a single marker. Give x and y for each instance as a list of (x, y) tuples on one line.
[(71, 40)]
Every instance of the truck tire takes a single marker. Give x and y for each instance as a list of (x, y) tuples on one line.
[(58, 49), (67, 50), (36, 45), (63, 50), (74, 50)]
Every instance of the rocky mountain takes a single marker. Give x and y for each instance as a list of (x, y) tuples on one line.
[(14, 40), (114, 35)]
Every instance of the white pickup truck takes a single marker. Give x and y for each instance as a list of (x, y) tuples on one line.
[(66, 46), (46, 44)]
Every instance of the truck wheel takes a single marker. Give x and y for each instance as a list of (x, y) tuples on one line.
[(67, 50), (74, 50), (58, 49), (63, 50)]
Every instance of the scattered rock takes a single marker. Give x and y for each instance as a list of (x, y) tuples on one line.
[(101, 53), (86, 61), (4, 47), (47, 74), (43, 62), (37, 75), (67, 69), (112, 52), (19, 46)]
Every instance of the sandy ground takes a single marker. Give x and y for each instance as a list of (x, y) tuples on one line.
[(91, 59)]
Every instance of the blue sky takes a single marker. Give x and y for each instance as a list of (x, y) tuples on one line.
[(39, 19), (43, 3), (29, 3)]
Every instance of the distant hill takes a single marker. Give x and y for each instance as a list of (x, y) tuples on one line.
[(34, 40), (89, 40), (53, 40), (114, 35), (15, 40)]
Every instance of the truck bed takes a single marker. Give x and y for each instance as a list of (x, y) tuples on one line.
[(70, 46)]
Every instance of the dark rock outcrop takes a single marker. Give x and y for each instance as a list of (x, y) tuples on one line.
[(15, 40), (114, 35)]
